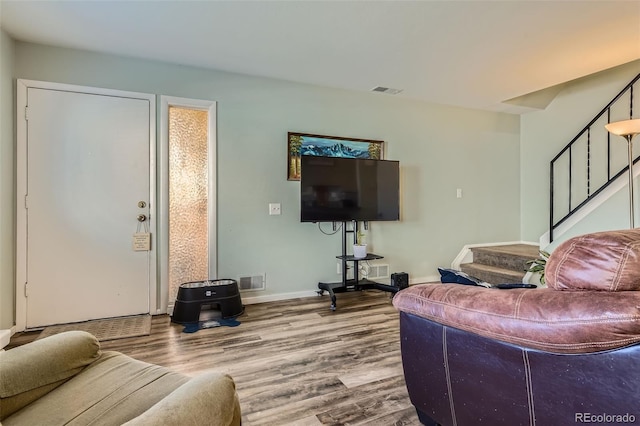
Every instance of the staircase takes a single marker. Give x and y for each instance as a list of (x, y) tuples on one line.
[(500, 264)]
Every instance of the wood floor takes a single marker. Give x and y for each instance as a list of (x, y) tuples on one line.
[(295, 362)]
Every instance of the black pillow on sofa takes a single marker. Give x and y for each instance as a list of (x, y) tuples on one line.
[(458, 277)]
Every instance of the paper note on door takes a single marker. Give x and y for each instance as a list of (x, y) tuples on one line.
[(142, 241)]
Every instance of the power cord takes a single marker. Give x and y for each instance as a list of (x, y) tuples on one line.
[(329, 233), (364, 268)]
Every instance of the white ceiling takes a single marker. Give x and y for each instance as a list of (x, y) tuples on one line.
[(474, 54)]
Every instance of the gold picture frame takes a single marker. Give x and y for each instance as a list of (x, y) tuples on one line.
[(299, 144)]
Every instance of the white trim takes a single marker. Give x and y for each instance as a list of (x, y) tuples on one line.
[(5, 337), (307, 293), (280, 296), (268, 298), (154, 284), (424, 280), (466, 255), (21, 212), (21, 185), (165, 305)]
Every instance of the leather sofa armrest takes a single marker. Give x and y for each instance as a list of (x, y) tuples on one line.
[(30, 371), (543, 319), (209, 399), (602, 261)]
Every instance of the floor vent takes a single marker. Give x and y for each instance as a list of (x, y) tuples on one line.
[(252, 283), (378, 271)]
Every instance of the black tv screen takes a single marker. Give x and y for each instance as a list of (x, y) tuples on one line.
[(334, 189)]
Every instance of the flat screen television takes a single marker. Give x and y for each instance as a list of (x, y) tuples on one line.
[(334, 189)]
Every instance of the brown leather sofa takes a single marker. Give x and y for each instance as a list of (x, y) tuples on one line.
[(566, 354)]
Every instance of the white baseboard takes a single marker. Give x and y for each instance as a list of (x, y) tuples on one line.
[(276, 297), (252, 300), (424, 280)]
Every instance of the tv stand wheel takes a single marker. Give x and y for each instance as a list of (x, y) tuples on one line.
[(333, 307), (320, 292)]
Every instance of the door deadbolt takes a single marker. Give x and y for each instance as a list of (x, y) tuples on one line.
[(142, 204), (142, 218)]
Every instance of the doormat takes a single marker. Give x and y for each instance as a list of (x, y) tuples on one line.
[(106, 329), (195, 326)]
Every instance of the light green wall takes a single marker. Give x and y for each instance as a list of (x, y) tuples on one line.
[(7, 182), (544, 133), (504, 183), (439, 148)]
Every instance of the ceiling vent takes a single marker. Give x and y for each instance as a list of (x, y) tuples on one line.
[(386, 90)]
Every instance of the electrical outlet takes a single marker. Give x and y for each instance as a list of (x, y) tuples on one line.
[(274, 209), (339, 268)]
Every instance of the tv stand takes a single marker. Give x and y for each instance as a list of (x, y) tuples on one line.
[(354, 284)]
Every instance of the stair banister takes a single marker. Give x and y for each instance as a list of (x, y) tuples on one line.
[(553, 224)]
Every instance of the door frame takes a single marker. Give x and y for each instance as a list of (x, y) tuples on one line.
[(163, 223), (21, 186)]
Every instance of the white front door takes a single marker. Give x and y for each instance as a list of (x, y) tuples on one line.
[(88, 180)]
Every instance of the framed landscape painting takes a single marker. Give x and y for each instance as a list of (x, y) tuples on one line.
[(299, 144)]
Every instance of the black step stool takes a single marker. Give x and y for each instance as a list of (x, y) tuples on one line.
[(193, 295)]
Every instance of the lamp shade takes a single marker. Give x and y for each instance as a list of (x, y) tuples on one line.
[(624, 128)]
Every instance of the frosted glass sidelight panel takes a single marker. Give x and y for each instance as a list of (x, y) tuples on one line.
[(188, 182)]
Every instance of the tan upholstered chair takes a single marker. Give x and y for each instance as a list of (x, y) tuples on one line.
[(66, 379)]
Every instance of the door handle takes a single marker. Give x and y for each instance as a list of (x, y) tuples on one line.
[(142, 217)]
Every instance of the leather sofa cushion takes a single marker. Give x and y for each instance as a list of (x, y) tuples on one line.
[(607, 261), (544, 319)]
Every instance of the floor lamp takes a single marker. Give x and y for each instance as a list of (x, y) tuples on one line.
[(627, 129)]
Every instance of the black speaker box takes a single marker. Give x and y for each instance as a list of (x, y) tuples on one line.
[(400, 280)]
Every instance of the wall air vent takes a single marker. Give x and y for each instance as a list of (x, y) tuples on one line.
[(386, 90), (252, 283)]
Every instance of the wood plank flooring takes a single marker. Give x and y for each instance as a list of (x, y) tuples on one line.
[(295, 362)]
